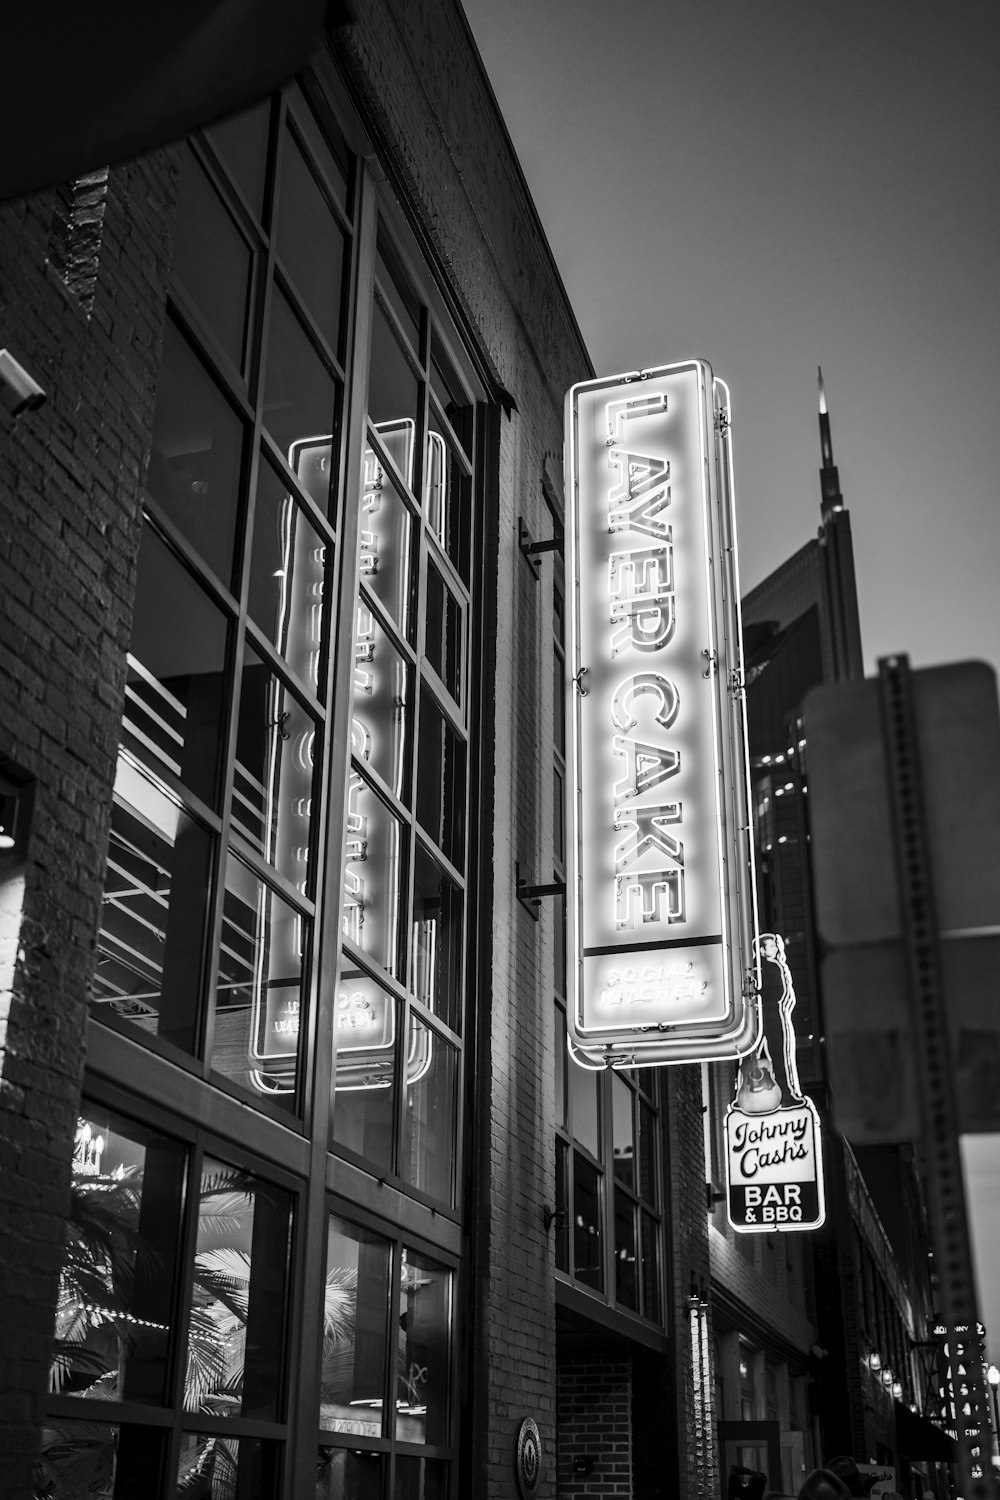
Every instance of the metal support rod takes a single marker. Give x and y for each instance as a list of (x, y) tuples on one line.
[(533, 550), (531, 895), (943, 1164)]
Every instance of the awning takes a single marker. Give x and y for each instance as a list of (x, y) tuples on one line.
[(85, 86), (919, 1438)]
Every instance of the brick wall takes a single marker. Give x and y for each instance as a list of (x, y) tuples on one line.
[(70, 476), (595, 1424)]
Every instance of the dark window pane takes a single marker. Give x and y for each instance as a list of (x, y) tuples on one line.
[(429, 1113), (441, 781), (584, 1094), (623, 1131), (385, 553), (647, 1155), (587, 1240), (365, 1070), (299, 391), (218, 1468), (398, 290), (287, 596), (421, 1479), (99, 1459), (382, 721), (558, 611), (562, 1224), (352, 1390), (558, 817), (447, 497), (424, 1375), (559, 703), (196, 458), (348, 1474), (211, 259), (175, 696), (393, 392), (559, 1061), (651, 1267), (559, 943), (449, 390), (236, 1333), (310, 242), (374, 876), (116, 1289), (443, 635), (438, 907), (277, 746), (151, 948), (626, 1284), (259, 987), (325, 144), (241, 141)]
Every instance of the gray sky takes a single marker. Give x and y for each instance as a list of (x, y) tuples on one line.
[(776, 185)]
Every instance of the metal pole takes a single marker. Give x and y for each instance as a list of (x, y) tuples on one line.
[(945, 1187)]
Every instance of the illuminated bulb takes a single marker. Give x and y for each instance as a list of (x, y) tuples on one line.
[(874, 1360)]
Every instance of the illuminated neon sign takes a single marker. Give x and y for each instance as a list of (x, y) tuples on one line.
[(774, 1148), (660, 862)]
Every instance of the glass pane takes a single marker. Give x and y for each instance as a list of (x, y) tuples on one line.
[(197, 452), (385, 558), (151, 948), (175, 692), (99, 1461), (287, 596), (447, 497), (382, 722), (626, 1285), (325, 144), (559, 702), (312, 463), (299, 391), (399, 292), (421, 1479), (559, 1061), (211, 259), (558, 817), (587, 1252), (348, 1474), (647, 1154), (241, 141), (449, 390), (559, 944), (562, 1206), (651, 1267), (310, 242), (352, 1389), (365, 1069), (423, 1373), (623, 1131), (259, 987), (276, 751), (393, 390), (441, 782), (428, 1152), (584, 1093), (225, 1468), (443, 634), (438, 907), (116, 1288), (236, 1332), (374, 875)]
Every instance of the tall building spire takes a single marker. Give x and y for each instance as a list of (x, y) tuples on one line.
[(829, 478)]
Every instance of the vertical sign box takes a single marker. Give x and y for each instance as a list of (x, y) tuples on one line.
[(660, 859)]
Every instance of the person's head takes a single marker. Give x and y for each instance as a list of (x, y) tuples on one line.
[(822, 1485), (848, 1473)]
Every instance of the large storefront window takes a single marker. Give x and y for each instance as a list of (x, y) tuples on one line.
[(282, 958), (143, 1321)]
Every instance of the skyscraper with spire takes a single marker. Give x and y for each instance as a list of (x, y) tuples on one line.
[(800, 629)]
